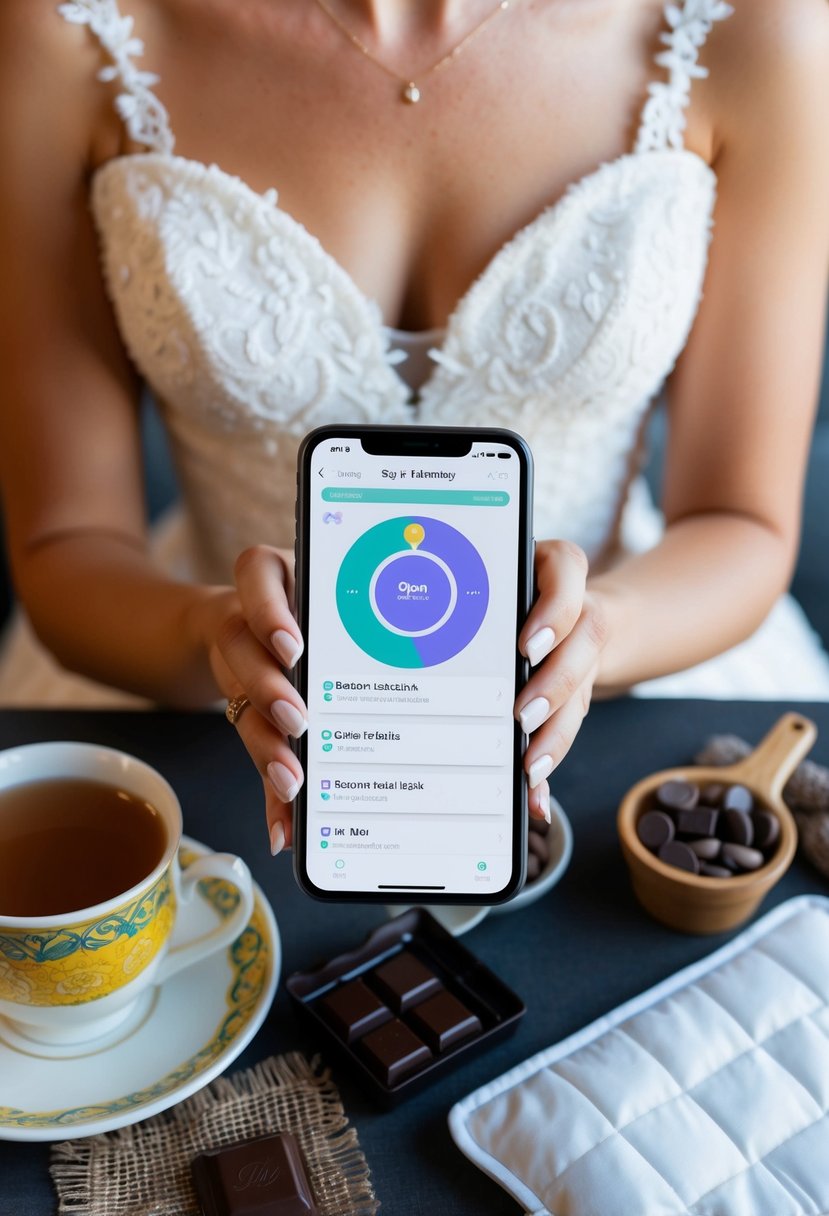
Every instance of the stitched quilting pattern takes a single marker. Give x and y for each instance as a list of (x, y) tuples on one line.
[(711, 1100)]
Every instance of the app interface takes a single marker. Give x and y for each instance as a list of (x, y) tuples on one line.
[(411, 645)]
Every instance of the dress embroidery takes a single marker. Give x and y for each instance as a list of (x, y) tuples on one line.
[(145, 117), (663, 116), (250, 333)]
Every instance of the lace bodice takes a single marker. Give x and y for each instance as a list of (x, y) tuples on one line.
[(250, 333)]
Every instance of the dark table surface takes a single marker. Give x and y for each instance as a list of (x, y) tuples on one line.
[(576, 953)]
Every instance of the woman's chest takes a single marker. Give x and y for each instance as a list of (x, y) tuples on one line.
[(414, 201)]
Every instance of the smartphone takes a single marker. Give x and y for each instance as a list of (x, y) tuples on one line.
[(414, 576)]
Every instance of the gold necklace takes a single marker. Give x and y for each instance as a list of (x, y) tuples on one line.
[(409, 91)]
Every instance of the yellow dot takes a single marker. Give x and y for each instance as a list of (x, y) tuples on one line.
[(414, 534)]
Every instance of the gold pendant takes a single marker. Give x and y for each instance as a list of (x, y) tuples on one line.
[(410, 94)]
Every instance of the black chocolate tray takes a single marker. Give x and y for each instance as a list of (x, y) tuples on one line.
[(409, 1003)]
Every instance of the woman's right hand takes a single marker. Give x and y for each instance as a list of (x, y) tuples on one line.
[(252, 639)]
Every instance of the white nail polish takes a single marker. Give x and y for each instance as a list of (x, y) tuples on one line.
[(533, 714), (277, 839), (283, 781), (288, 718), (544, 801), (539, 770), (540, 644), (286, 646)]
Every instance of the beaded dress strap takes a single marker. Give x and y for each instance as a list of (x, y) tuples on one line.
[(663, 115), (145, 117)]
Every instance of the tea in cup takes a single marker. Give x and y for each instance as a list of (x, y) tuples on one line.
[(89, 888)]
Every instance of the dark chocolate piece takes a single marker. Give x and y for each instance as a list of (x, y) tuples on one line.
[(655, 828), (675, 853), (444, 1021), (736, 827), (539, 827), (353, 1009), (261, 1177), (538, 845), (766, 829), (741, 857), (533, 867), (698, 821), (712, 794), (677, 795), (738, 798), (393, 1050), (404, 980), (714, 871), (707, 849)]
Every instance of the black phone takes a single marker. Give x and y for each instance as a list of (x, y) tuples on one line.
[(414, 568)]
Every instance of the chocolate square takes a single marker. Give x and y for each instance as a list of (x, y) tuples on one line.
[(353, 1009), (443, 1021), (700, 821), (261, 1177), (393, 1050), (404, 980)]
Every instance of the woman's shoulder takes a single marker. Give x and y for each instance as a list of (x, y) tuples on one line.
[(768, 43), (768, 75)]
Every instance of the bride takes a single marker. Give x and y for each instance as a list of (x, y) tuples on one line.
[(279, 213)]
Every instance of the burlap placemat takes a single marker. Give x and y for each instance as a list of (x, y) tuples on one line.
[(806, 794), (144, 1170)]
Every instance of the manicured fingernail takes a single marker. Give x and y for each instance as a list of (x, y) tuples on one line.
[(544, 800), (286, 646), (533, 714), (277, 839), (539, 769), (288, 718), (283, 781), (540, 644)]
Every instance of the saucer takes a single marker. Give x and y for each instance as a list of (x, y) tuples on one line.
[(460, 918), (185, 1034), (560, 840)]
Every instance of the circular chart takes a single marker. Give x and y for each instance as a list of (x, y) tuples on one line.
[(412, 591)]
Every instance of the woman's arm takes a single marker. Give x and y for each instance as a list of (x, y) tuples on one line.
[(741, 400), (70, 462)]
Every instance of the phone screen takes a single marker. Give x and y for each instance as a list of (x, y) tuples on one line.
[(414, 571)]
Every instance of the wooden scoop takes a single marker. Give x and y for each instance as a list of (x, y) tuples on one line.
[(695, 903)]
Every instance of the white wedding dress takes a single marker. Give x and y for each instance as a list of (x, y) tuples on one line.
[(249, 334)]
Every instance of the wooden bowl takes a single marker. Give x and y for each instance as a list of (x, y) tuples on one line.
[(694, 903)]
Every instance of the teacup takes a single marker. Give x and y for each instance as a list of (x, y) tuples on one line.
[(71, 977)]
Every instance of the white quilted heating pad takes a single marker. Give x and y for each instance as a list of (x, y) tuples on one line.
[(705, 1096)]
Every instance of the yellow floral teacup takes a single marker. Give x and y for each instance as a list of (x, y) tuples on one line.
[(70, 978)]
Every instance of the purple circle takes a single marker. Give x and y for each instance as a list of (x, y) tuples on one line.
[(412, 592)]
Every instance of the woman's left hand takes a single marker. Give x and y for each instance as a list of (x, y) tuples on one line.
[(563, 637)]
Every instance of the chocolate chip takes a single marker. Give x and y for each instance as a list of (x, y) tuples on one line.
[(677, 795), (766, 829), (714, 871), (706, 849), (700, 821), (736, 827), (712, 794), (738, 798), (675, 853), (654, 829), (540, 846), (539, 827), (741, 856)]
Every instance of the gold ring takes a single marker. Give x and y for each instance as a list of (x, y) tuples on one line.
[(236, 706)]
